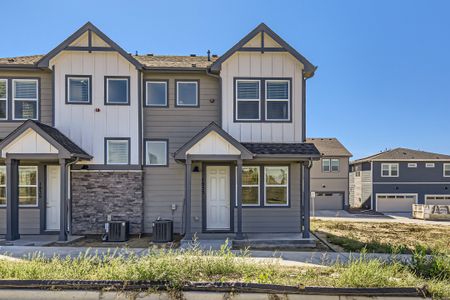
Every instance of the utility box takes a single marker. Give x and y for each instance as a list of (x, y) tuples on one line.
[(117, 231), (162, 231), (431, 212)]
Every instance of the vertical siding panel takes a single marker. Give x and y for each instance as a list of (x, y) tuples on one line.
[(255, 71), (267, 67), (297, 103), (233, 71), (245, 71), (288, 71)]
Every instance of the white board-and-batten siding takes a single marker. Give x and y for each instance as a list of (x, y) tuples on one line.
[(266, 65), (80, 122), (29, 142)]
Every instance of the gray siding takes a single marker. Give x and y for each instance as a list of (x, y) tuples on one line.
[(29, 221), (419, 174), (46, 105), (164, 186)]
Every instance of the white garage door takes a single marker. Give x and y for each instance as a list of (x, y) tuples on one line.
[(327, 201), (437, 199), (395, 202)]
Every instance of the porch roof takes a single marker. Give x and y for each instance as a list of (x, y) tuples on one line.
[(294, 149)]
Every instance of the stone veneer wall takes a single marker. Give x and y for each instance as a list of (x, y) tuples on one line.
[(97, 194)]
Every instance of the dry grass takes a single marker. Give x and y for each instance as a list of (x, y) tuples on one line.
[(384, 237)]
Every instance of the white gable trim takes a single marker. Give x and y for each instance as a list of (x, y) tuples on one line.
[(29, 142), (213, 144)]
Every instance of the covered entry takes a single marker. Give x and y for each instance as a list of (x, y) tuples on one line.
[(395, 202), (35, 179)]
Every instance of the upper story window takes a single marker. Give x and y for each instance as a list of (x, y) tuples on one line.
[(117, 91), (78, 89), (276, 186), (267, 95), (389, 170), (156, 93), (156, 153), (429, 165), (117, 151), (25, 99), (3, 100), (412, 165), (446, 170), (330, 165), (187, 93), (250, 186), (248, 99)]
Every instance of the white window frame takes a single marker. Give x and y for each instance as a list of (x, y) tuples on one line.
[(108, 79), (4, 185), (390, 169), (166, 103), (430, 165), (248, 100), (329, 165), (288, 100), (24, 99), (253, 185), (89, 89), (444, 166), (5, 99), (147, 163), (276, 185), (412, 165), (196, 93), (30, 185), (107, 150), (338, 165)]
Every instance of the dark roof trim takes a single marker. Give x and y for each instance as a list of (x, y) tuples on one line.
[(181, 153), (63, 152), (44, 62), (18, 67), (309, 67)]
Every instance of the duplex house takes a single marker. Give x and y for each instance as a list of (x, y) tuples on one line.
[(393, 180), (91, 133), (329, 175)]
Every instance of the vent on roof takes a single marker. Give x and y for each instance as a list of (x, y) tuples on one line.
[(193, 55), (149, 54), (215, 55)]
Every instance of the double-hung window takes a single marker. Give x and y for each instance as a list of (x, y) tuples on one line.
[(446, 170), (156, 93), (277, 100), (389, 170), (250, 186), (248, 100), (156, 153), (28, 195), (187, 93), (2, 185), (3, 99), (117, 90), (276, 186), (330, 165), (117, 151), (25, 99), (78, 89)]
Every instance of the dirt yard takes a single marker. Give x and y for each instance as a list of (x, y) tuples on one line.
[(382, 237)]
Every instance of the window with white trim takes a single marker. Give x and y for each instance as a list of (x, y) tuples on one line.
[(277, 100), (248, 100), (446, 168), (156, 93), (330, 165), (156, 153), (25, 99), (187, 93), (3, 99), (326, 165), (276, 186), (389, 170), (412, 165), (2, 185), (117, 91), (429, 165), (117, 151), (78, 90), (28, 184), (250, 186)]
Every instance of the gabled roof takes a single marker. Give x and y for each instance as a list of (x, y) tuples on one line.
[(297, 149), (52, 135), (181, 153), (309, 68), (404, 154), (88, 27), (329, 146)]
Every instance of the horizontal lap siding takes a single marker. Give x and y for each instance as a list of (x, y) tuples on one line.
[(46, 105), (29, 221), (164, 186)]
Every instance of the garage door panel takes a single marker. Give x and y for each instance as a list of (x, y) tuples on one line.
[(395, 202), (437, 199), (328, 201)]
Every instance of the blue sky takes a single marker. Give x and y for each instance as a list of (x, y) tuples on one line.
[(384, 66)]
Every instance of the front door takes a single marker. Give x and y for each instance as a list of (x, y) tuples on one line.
[(218, 198), (53, 198)]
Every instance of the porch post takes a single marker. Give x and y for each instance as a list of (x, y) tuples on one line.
[(63, 200), (306, 197), (12, 199), (239, 199), (302, 204), (187, 195)]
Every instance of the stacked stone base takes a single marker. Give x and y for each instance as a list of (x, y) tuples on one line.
[(99, 194)]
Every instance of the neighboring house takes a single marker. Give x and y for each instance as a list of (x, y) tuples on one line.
[(393, 180), (329, 176), (92, 133)]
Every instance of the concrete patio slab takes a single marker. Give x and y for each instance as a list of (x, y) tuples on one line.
[(39, 240)]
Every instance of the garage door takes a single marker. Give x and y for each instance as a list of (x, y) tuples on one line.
[(395, 202), (327, 201), (437, 199)]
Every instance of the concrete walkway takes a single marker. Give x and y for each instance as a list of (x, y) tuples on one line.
[(291, 258)]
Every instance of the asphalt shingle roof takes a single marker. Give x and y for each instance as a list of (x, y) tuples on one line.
[(404, 154), (329, 146), (282, 148)]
